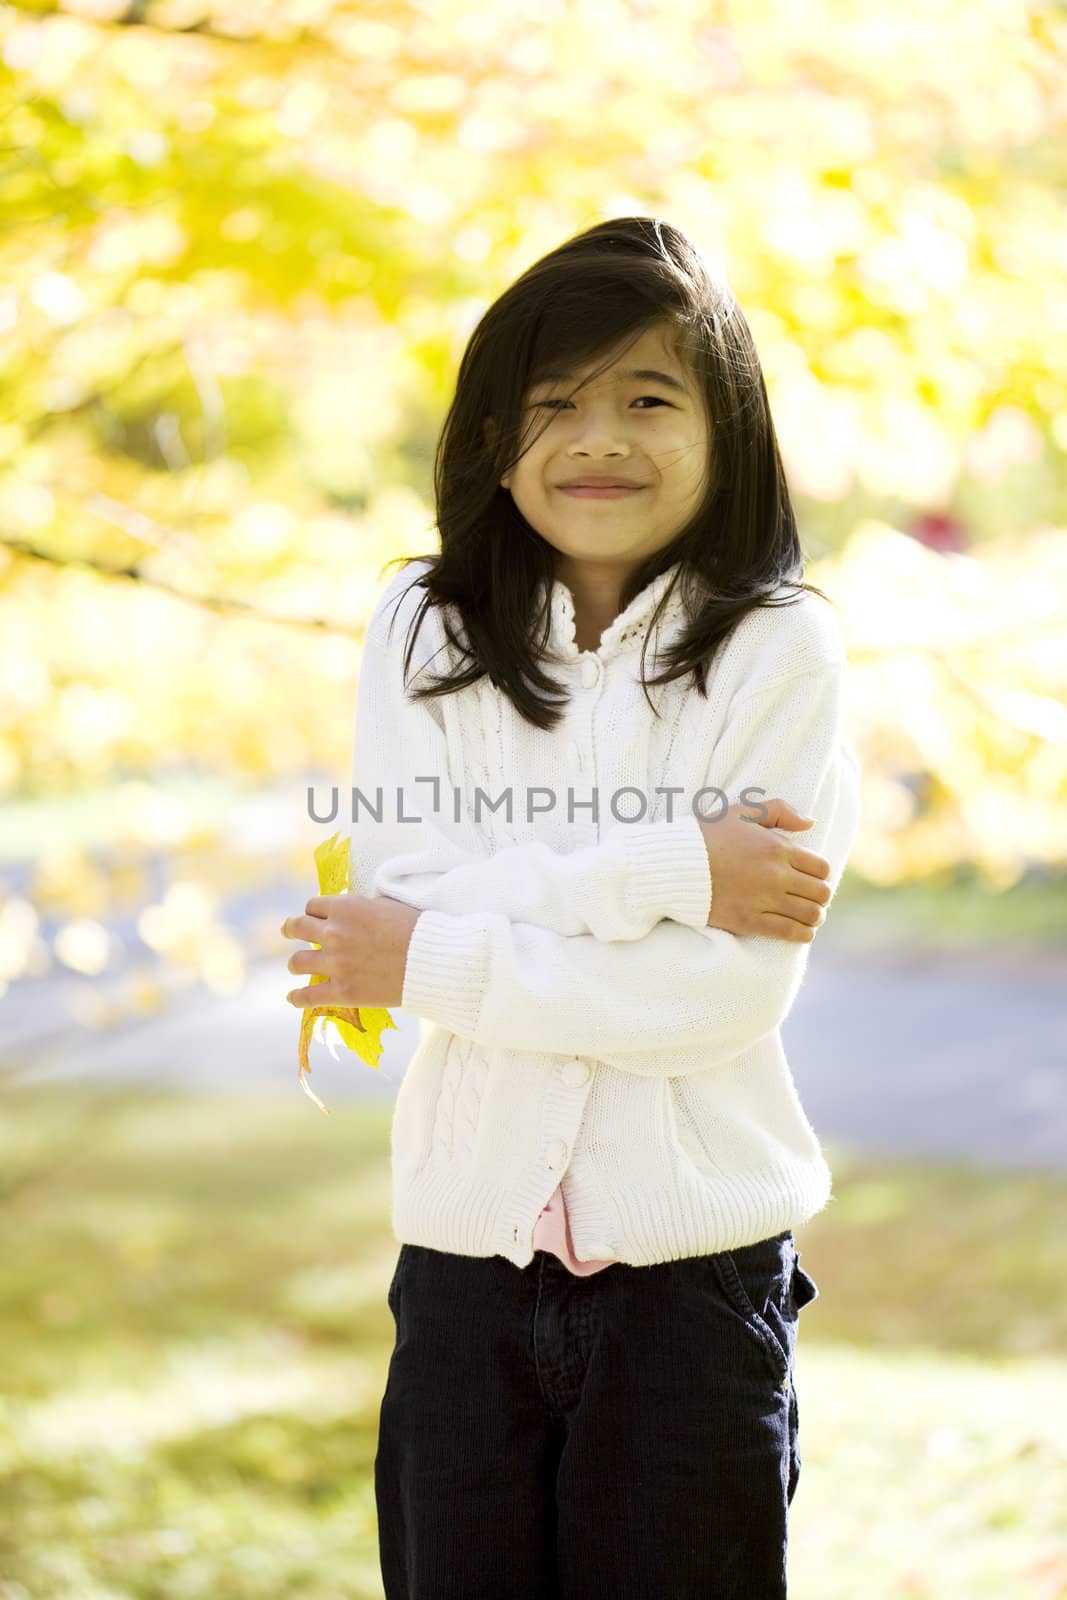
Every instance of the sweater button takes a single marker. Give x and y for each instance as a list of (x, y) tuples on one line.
[(574, 1073), (590, 671), (556, 1155)]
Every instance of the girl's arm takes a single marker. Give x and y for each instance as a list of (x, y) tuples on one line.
[(617, 889), (679, 999)]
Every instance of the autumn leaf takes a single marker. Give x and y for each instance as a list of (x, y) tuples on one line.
[(360, 1028)]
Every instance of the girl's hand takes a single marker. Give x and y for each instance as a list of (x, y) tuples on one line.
[(762, 883), (364, 949)]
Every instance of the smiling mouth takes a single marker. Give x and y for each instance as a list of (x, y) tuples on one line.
[(600, 491)]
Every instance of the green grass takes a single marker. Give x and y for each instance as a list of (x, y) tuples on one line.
[(954, 911), (196, 1340)]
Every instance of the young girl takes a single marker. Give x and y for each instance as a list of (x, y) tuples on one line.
[(598, 1153)]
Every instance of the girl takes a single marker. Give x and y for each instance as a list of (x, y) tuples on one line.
[(598, 1154)]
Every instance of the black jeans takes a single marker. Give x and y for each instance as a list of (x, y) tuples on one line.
[(632, 1435)]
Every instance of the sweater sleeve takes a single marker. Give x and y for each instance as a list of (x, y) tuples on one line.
[(410, 841), (704, 993)]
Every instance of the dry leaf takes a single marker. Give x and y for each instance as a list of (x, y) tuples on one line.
[(360, 1028)]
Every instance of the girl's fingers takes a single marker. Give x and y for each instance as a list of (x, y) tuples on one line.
[(303, 927), (310, 961), (773, 926), (793, 817), (316, 994), (802, 909), (813, 890), (808, 861)]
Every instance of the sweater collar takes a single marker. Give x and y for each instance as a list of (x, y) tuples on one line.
[(628, 628)]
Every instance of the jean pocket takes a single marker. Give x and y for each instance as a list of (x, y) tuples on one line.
[(805, 1289), (758, 1281), (394, 1285)]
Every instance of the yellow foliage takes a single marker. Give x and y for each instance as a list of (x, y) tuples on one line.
[(956, 708), (361, 1029)]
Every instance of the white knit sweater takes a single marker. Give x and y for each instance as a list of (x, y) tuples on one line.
[(587, 1025)]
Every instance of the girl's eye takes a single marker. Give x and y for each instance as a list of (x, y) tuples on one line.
[(655, 398)]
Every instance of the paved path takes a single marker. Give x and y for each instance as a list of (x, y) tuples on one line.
[(949, 1054), (898, 1053)]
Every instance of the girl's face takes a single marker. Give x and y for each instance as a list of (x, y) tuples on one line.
[(642, 420)]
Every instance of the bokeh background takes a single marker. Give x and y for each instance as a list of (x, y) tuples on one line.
[(242, 249)]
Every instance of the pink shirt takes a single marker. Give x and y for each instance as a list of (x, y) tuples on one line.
[(552, 1232)]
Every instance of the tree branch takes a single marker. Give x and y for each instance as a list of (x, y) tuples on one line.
[(212, 602)]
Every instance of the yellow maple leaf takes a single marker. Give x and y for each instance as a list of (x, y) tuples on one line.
[(360, 1027)]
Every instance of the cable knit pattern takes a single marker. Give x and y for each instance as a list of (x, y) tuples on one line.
[(590, 1034)]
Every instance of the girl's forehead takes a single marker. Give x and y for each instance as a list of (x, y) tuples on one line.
[(662, 371), (665, 372)]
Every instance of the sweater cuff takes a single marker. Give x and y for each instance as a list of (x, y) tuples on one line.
[(668, 872), (447, 970)]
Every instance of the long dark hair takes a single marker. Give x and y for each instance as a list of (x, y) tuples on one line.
[(590, 299)]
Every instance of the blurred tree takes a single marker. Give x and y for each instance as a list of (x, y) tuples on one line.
[(242, 251)]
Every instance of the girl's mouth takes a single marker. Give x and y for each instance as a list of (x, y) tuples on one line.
[(599, 493)]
